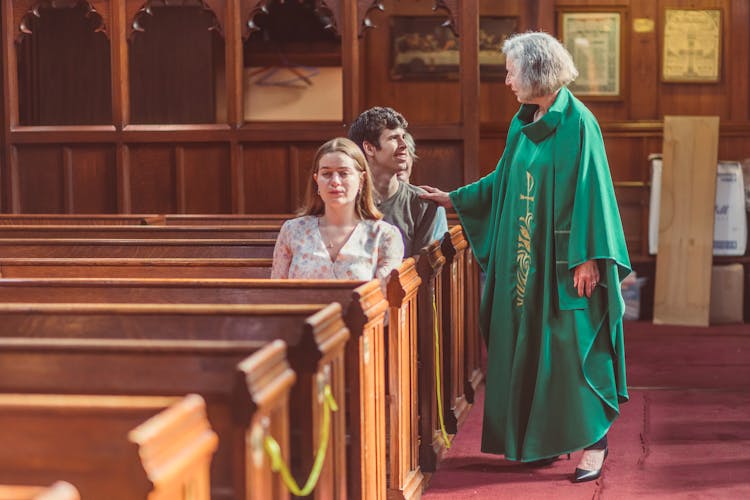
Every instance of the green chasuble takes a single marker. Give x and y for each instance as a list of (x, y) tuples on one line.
[(556, 362)]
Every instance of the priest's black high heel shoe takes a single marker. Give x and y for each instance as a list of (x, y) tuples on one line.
[(583, 475), (544, 462)]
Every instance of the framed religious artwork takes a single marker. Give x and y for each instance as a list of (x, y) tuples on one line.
[(595, 39), (691, 46), (423, 48)]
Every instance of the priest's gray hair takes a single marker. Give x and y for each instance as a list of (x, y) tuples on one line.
[(544, 66)]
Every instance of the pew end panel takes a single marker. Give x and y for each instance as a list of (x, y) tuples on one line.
[(365, 378), (175, 447), (109, 446), (264, 381), (456, 407), (473, 347), (59, 490), (406, 478), (432, 442)]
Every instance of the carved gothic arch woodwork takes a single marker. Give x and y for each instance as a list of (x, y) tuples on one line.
[(135, 10), (363, 10), (452, 10), (248, 13), (23, 10)]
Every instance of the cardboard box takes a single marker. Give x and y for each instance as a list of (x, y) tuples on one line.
[(727, 294)]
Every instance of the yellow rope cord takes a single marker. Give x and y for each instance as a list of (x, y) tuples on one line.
[(438, 389), (277, 461)]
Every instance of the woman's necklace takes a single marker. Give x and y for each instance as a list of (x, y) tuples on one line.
[(334, 237)]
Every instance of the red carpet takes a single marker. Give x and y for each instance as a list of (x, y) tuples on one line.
[(685, 434)]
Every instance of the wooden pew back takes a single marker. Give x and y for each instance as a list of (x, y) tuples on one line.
[(316, 336), (134, 268), (122, 231), (60, 490), (73, 248), (115, 447)]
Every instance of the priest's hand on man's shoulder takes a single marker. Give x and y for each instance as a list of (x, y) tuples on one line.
[(437, 196)]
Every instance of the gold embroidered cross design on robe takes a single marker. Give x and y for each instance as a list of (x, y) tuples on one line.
[(523, 248)]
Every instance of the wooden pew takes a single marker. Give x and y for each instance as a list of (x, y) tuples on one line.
[(244, 395), (453, 247), (474, 374), (406, 480), (121, 231), (315, 334), (473, 337), (134, 268), (86, 219), (433, 442), (363, 314), (60, 490), (71, 248), (225, 219), (114, 447)]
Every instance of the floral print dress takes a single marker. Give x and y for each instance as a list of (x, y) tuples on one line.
[(373, 249)]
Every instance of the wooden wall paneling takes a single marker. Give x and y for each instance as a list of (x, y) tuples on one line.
[(631, 201), (124, 187), (233, 64), (206, 180), (267, 178), (738, 24), (348, 28), (41, 179), (120, 68), (10, 110), (172, 56), (152, 178), (497, 104), (698, 98), (428, 102), (643, 69), (538, 15), (91, 178), (237, 177), (301, 160), (64, 66), (469, 81), (438, 164), (626, 157), (491, 147)]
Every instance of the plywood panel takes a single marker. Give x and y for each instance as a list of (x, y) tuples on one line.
[(94, 180), (686, 222), (152, 179), (206, 179), (41, 179)]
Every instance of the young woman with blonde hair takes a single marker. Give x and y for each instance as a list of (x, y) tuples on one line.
[(339, 233)]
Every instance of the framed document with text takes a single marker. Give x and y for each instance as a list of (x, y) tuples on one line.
[(594, 38), (692, 46)]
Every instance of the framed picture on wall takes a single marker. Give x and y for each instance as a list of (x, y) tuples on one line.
[(422, 48), (595, 39), (692, 46)]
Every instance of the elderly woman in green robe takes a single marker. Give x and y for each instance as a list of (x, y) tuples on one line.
[(546, 230)]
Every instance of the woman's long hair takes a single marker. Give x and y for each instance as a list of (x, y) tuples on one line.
[(364, 205)]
